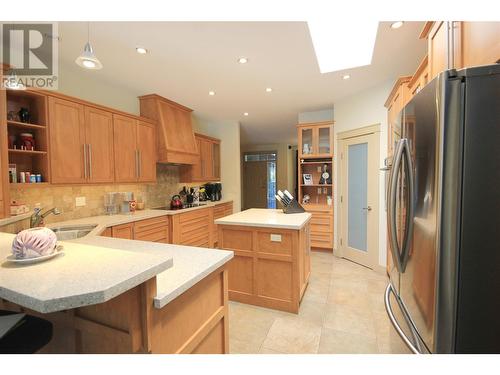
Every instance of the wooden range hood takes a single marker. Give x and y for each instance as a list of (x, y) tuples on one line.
[(176, 143)]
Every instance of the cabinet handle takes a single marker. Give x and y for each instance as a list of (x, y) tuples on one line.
[(85, 161), (90, 159), (136, 164), (139, 163)]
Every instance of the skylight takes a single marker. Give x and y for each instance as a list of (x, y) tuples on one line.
[(342, 45)]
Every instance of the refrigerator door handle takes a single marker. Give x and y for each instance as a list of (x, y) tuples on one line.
[(395, 323), (391, 206), (410, 209), (400, 256)]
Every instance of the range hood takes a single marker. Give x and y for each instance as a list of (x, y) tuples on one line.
[(175, 137)]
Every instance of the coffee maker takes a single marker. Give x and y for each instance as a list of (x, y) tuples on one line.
[(213, 191), (218, 191)]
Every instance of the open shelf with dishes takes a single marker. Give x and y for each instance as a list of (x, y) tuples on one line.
[(27, 136), (315, 174)]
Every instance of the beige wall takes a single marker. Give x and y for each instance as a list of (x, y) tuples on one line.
[(355, 112)]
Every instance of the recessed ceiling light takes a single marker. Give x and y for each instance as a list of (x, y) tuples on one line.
[(397, 24), (269, 89), (141, 50), (211, 93), (245, 113), (242, 60), (346, 76)]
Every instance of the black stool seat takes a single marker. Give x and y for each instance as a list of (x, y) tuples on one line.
[(29, 336)]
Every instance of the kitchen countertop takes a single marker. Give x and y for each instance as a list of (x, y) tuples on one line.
[(262, 217), (191, 264), (75, 278)]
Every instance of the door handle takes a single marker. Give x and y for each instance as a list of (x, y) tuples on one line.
[(369, 208)]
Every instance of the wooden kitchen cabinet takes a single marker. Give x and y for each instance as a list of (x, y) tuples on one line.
[(193, 228), (175, 137), (419, 79), (479, 43), (146, 146), (156, 229), (125, 141), (321, 227), (99, 143), (207, 166), (398, 98), (220, 210), (315, 140), (67, 141), (134, 146), (125, 231)]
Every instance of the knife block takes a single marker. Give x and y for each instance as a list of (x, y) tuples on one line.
[(293, 208)]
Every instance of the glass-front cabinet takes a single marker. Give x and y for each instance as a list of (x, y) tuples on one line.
[(315, 140)]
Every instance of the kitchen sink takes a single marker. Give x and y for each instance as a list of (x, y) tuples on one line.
[(73, 232)]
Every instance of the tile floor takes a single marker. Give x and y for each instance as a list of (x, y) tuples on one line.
[(342, 311)]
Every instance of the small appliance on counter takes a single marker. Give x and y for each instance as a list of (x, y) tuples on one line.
[(176, 202), (289, 203), (111, 203), (213, 191), (202, 194), (128, 203)]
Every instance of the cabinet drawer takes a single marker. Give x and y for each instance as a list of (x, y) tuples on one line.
[(153, 234), (156, 222), (194, 215)]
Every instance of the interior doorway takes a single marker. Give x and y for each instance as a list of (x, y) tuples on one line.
[(259, 178), (359, 195)]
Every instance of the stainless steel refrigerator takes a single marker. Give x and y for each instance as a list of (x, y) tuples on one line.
[(443, 216)]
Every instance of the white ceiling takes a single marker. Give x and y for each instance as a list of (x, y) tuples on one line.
[(187, 59)]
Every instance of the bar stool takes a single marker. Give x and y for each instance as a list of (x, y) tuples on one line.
[(29, 336)]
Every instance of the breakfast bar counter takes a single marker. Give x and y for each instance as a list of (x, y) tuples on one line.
[(109, 295), (271, 264)]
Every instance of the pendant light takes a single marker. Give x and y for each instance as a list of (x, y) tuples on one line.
[(88, 59)]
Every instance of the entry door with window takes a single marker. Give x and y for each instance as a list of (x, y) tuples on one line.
[(259, 178), (359, 199)]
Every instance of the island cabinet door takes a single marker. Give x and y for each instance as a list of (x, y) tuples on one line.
[(125, 231), (265, 270)]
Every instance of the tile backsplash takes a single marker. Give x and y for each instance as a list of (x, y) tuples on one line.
[(63, 197)]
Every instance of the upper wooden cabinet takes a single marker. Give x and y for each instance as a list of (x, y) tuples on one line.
[(99, 143), (175, 137), (207, 166), (398, 98), (68, 162), (81, 143), (315, 140), (459, 44), (135, 156)]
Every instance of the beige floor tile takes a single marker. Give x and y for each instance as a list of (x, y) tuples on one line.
[(250, 324), (268, 351), (338, 342), (350, 320), (310, 311), (293, 336), (237, 346), (349, 297), (317, 290)]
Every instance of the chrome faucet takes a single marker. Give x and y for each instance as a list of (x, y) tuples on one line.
[(37, 218)]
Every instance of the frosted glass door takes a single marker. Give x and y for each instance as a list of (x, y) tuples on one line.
[(357, 186)]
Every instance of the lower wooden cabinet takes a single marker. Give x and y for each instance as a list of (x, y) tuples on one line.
[(193, 228), (220, 210), (125, 231), (156, 229), (321, 228)]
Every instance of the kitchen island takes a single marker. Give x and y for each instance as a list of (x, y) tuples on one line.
[(271, 264), (110, 295)]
